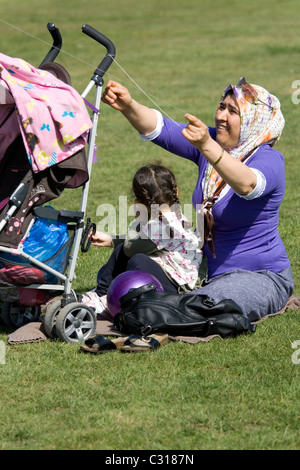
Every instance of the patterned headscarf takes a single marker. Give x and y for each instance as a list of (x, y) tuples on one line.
[(262, 122)]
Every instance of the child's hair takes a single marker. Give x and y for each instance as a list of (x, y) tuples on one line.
[(154, 185)]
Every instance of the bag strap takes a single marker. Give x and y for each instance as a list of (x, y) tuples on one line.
[(132, 293)]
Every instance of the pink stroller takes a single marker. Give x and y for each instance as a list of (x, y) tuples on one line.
[(39, 245)]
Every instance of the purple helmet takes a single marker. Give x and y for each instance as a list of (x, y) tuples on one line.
[(123, 283)]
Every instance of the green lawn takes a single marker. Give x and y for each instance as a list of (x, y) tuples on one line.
[(240, 393)]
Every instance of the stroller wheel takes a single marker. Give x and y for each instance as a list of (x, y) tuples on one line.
[(14, 315), (75, 322), (49, 318)]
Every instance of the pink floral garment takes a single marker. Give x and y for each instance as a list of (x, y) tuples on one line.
[(51, 114), (179, 256)]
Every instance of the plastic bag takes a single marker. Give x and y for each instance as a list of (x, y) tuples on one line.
[(45, 239), (47, 242)]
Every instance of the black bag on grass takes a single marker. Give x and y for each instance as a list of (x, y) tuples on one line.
[(145, 310)]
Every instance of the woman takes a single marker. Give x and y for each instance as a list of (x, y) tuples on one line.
[(240, 188)]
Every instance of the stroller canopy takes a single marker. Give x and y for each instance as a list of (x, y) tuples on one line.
[(51, 115)]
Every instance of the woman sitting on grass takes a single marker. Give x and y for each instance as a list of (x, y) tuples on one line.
[(240, 187)]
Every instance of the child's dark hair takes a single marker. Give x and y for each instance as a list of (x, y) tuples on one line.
[(154, 185)]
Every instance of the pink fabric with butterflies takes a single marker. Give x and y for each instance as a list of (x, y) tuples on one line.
[(53, 119)]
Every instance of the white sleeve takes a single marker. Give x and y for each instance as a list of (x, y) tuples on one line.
[(157, 130), (259, 188)]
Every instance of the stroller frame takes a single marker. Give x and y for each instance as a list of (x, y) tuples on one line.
[(65, 318)]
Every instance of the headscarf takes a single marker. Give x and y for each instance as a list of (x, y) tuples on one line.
[(262, 122)]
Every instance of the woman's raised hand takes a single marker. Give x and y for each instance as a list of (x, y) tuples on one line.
[(116, 96), (142, 118)]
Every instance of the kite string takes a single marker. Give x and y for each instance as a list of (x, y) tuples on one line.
[(91, 65)]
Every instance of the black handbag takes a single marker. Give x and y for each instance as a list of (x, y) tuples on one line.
[(145, 310)]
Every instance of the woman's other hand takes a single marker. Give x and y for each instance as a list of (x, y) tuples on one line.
[(196, 132)]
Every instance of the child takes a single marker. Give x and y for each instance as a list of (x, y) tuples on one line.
[(159, 240)]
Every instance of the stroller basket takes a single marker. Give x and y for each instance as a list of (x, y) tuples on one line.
[(16, 273), (52, 252)]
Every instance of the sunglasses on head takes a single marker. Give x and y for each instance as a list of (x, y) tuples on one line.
[(248, 91)]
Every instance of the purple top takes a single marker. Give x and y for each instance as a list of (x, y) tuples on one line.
[(246, 234)]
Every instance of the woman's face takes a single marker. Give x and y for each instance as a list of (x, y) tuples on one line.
[(228, 122)]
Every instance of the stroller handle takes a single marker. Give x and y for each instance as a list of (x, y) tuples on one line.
[(111, 50), (56, 46)]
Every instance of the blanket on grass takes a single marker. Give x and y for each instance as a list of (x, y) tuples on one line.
[(34, 332)]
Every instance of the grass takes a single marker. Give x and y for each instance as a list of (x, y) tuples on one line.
[(240, 393)]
